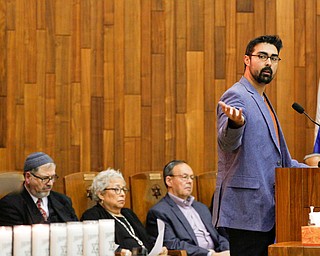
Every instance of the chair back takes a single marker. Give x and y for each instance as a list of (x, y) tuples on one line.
[(206, 185), (10, 182), (146, 189), (76, 186)]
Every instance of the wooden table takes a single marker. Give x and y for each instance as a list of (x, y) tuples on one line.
[(293, 249)]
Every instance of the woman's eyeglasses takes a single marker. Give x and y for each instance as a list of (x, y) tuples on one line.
[(118, 190)]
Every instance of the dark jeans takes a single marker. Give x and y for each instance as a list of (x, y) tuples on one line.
[(250, 243)]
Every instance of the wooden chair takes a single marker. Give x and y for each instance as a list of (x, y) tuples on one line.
[(10, 182), (206, 185), (76, 186), (146, 189)]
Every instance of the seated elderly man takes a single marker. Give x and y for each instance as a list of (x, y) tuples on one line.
[(188, 223), (36, 202)]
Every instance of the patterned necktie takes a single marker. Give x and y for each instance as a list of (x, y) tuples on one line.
[(43, 212)]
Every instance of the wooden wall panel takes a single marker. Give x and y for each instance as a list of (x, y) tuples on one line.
[(132, 84), (195, 109), (28, 21), (119, 51), (10, 117), (146, 45), (195, 25), (132, 50), (209, 55), (170, 81), (146, 141), (259, 16), (286, 29), (3, 121), (231, 42), (3, 55), (158, 114), (97, 49), (96, 140), (132, 116), (312, 67)]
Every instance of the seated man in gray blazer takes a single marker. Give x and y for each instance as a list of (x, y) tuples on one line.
[(36, 202), (188, 223)]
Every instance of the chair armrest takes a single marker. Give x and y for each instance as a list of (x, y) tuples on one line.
[(177, 253)]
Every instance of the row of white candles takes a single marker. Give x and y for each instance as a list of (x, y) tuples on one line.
[(87, 238)]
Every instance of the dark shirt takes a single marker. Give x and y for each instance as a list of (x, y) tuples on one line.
[(122, 236)]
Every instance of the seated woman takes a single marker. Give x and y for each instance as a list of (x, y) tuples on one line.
[(109, 191)]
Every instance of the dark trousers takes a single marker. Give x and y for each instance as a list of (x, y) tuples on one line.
[(250, 243)]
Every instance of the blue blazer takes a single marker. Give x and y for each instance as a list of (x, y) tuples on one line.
[(247, 158), (178, 232)]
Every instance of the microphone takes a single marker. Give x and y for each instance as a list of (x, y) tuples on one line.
[(297, 107)]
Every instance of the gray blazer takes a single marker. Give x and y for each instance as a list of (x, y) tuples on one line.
[(247, 158), (178, 232)]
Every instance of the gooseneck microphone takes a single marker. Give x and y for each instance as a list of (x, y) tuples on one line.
[(297, 107)]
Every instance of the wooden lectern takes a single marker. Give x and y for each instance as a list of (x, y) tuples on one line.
[(296, 190)]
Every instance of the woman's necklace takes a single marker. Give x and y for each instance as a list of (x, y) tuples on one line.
[(130, 230)]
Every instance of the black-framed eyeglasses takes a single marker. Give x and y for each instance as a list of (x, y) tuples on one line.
[(265, 57), (46, 179), (183, 177), (118, 190)]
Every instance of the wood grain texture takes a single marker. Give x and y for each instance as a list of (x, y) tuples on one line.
[(292, 248), (296, 189), (132, 84)]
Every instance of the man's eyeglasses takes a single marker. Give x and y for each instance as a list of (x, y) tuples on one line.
[(46, 179), (118, 190), (183, 177), (265, 57)]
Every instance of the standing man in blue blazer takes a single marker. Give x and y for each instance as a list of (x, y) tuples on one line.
[(188, 223), (250, 146)]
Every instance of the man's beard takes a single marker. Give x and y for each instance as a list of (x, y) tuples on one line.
[(264, 78), (42, 194)]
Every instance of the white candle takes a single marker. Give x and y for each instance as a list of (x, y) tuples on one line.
[(5, 241), (74, 238), (58, 239), (106, 237), (21, 240), (90, 238), (40, 240)]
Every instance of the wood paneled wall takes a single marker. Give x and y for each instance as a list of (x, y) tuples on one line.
[(132, 84)]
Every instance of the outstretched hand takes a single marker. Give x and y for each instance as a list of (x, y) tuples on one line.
[(232, 113)]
